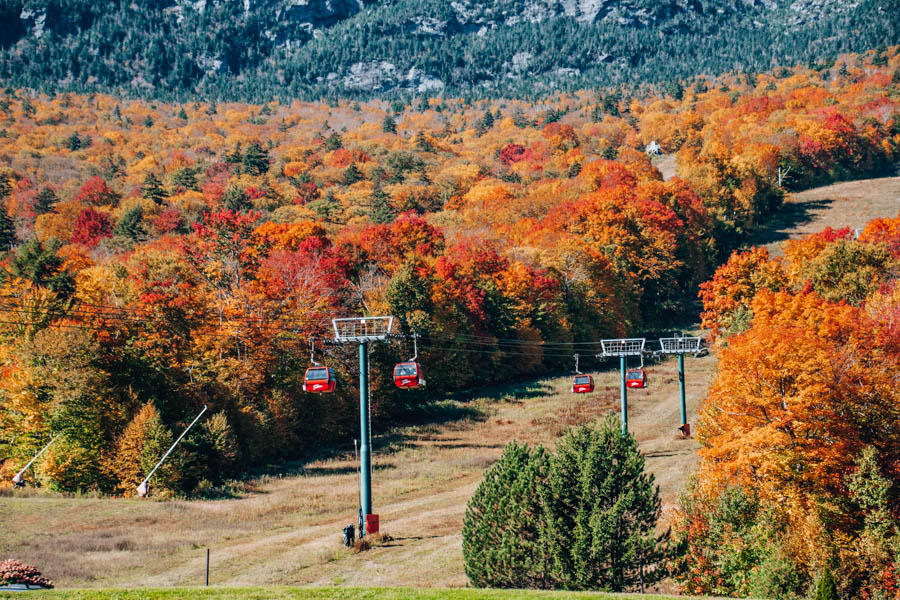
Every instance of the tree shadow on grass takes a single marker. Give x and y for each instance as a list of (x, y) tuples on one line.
[(508, 392), (790, 216)]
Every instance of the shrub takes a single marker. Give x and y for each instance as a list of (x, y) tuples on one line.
[(14, 571)]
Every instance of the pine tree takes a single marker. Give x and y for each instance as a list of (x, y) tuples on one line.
[(603, 509), (131, 224), (326, 208), (152, 189), (502, 527), (382, 210), (389, 125), (486, 122), (826, 588), (7, 230), (44, 201), (236, 199), (333, 142), (235, 156), (256, 160), (352, 174), (182, 115)]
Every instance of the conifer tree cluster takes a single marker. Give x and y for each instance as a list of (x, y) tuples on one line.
[(582, 518)]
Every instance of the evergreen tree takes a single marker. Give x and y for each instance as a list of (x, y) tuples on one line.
[(148, 122), (826, 588), (422, 143), (131, 224), (256, 160), (486, 122), (152, 189), (389, 125), (333, 142), (675, 89), (352, 174), (236, 199), (382, 210), (7, 230), (502, 527), (44, 201), (602, 512), (582, 519), (41, 264), (327, 208), (185, 178), (235, 156), (182, 115), (5, 186), (76, 142)]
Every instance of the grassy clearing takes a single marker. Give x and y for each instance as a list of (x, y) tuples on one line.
[(846, 204), (286, 529), (289, 593)]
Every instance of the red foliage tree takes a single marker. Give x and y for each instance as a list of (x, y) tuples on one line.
[(96, 191), (91, 226)]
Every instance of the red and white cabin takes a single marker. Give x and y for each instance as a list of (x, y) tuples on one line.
[(319, 380), (636, 378), (408, 375), (582, 384)]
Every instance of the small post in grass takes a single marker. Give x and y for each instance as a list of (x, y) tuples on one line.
[(207, 567)]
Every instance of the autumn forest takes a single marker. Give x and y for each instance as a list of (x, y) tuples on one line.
[(160, 257)]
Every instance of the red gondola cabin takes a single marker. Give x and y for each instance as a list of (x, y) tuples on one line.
[(319, 379), (636, 378), (582, 384), (408, 375)]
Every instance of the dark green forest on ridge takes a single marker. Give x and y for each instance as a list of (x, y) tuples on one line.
[(271, 49)]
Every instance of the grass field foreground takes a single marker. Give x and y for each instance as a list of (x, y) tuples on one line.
[(290, 593)]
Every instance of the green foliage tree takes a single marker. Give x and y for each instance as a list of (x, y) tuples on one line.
[(389, 125), (352, 174), (591, 525), (185, 177), (153, 189), (236, 199), (7, 230), (44, 201), (327, 208), (333, 142), (502, 527), (235, 156), (602, 520), (485, 123), (382, 210), (256, 159), (826, 589), (41, 264), (131, 225)]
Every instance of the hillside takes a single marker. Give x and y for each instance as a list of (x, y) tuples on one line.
[(257, 50), (286, 529)]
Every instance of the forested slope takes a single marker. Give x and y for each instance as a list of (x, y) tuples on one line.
[(163, 256)]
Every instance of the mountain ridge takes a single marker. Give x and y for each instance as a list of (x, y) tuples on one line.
[(314, 49)]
